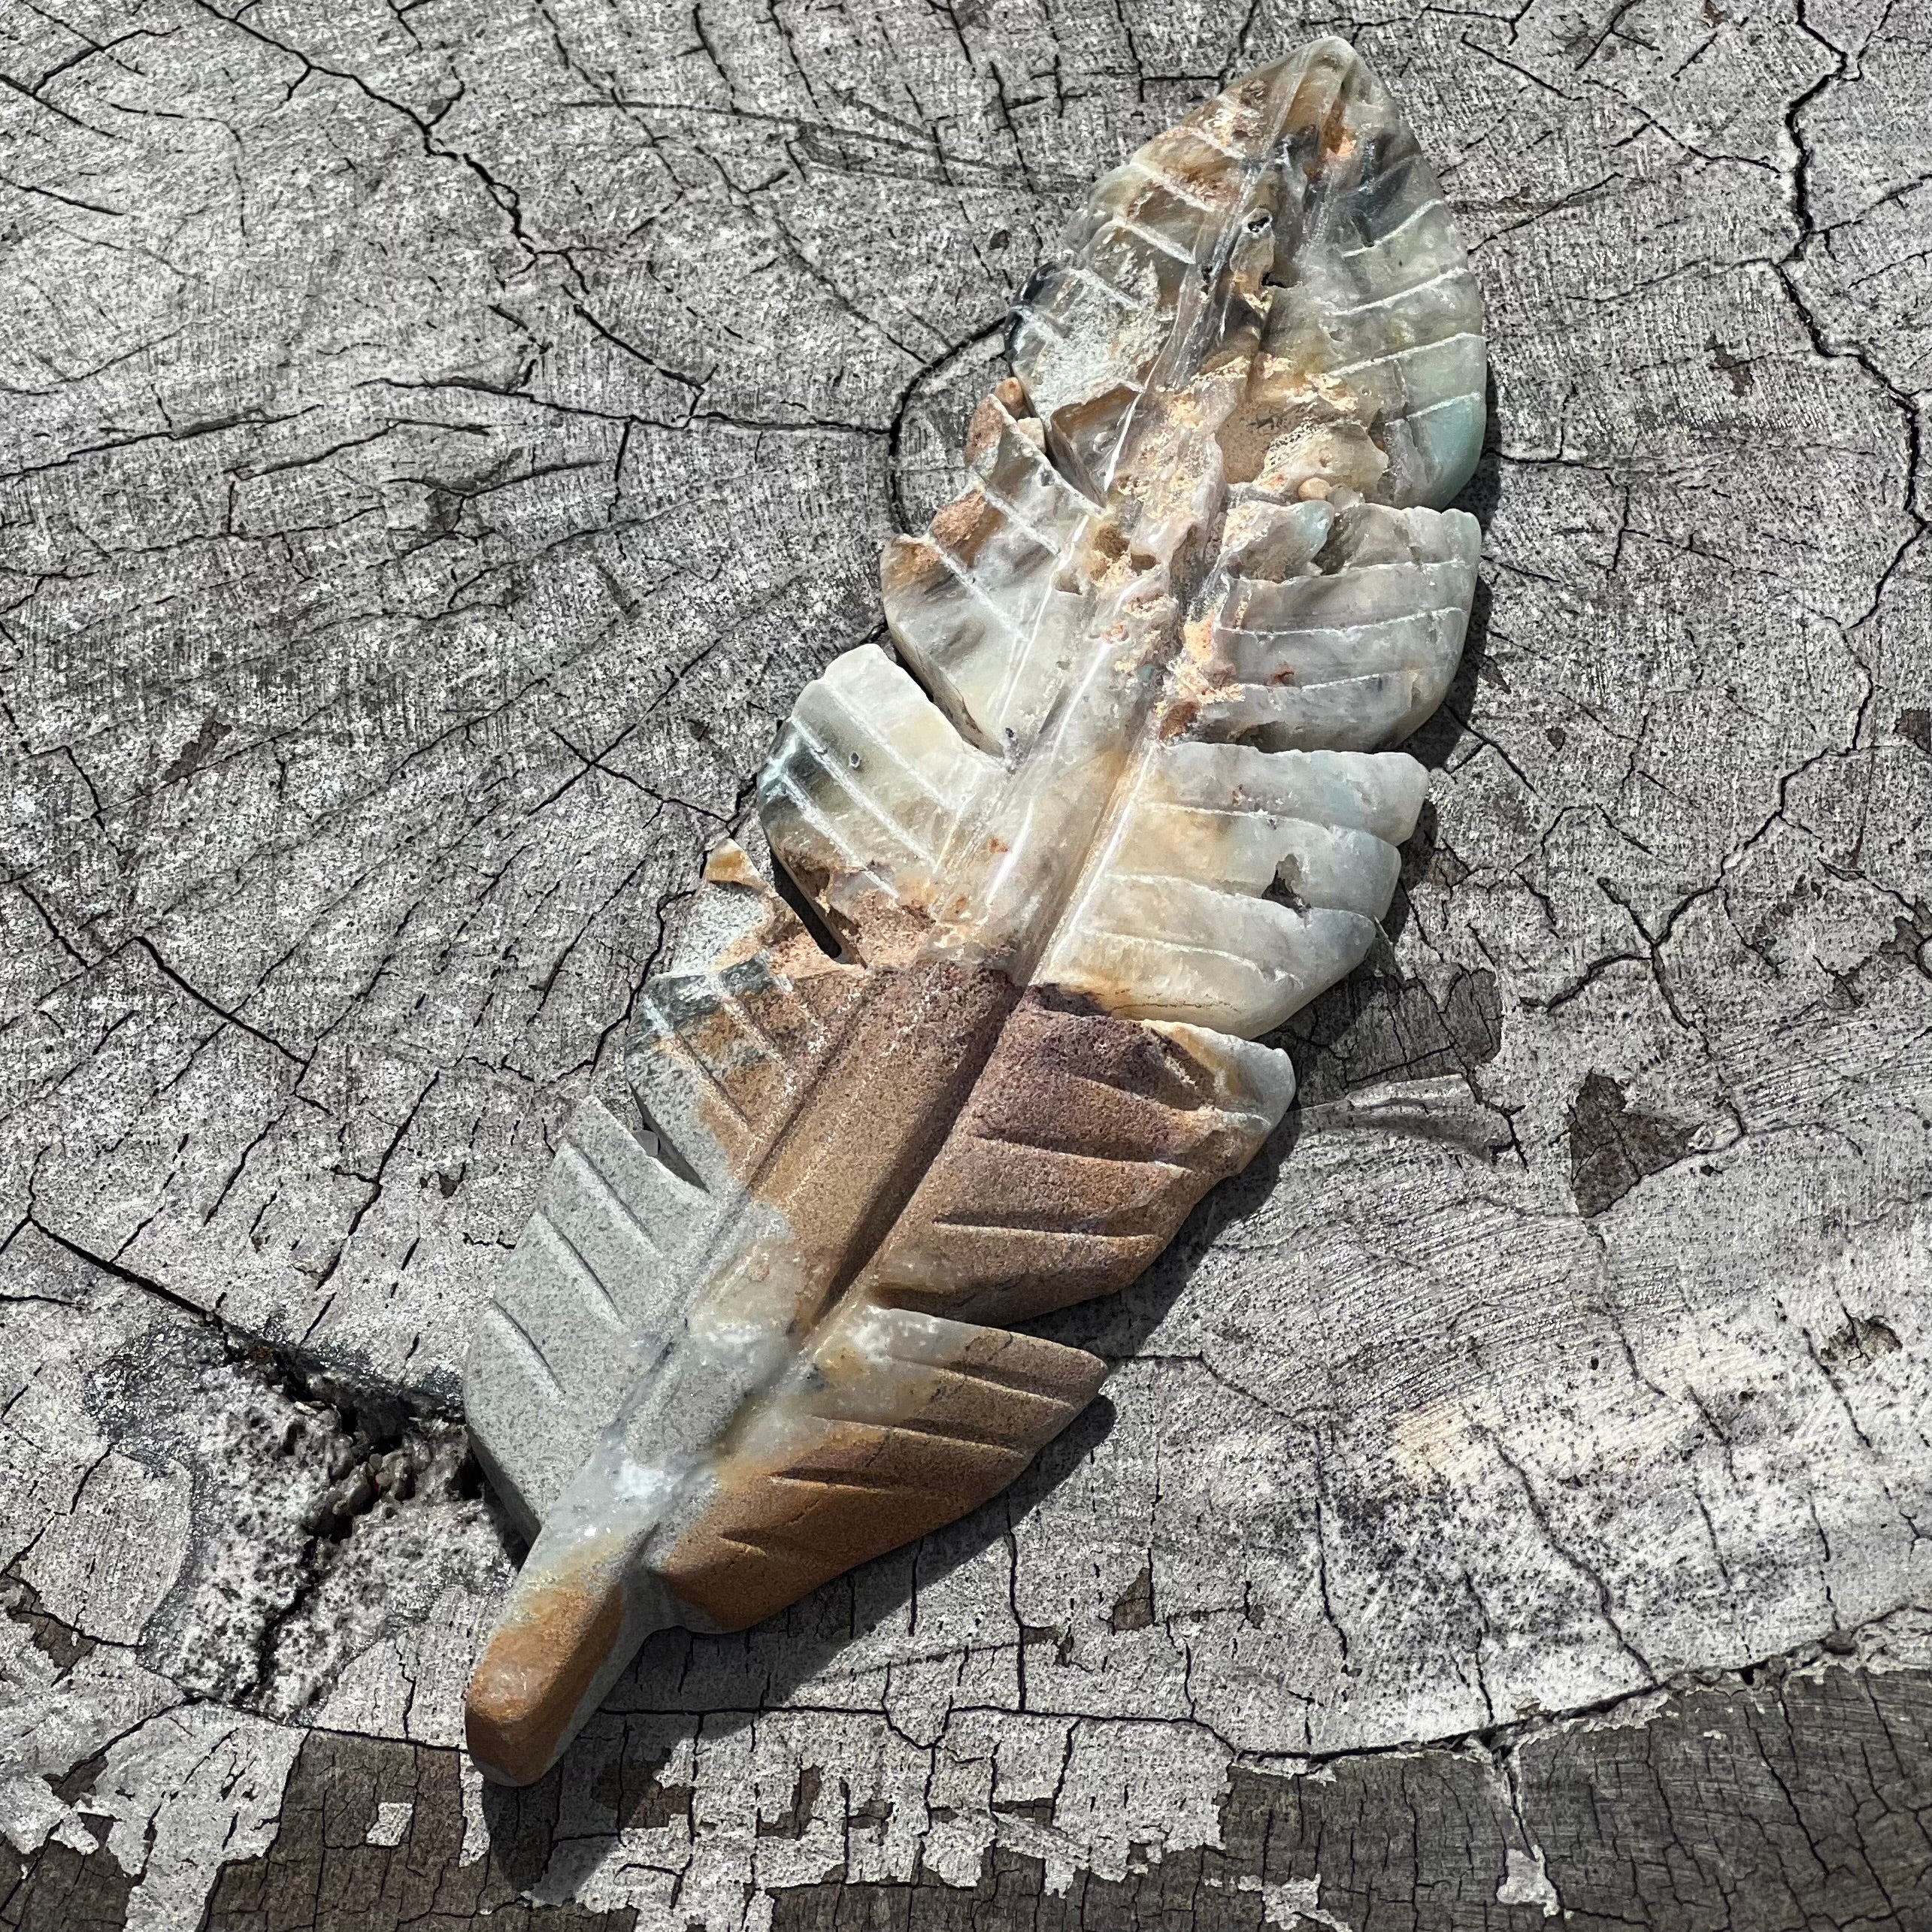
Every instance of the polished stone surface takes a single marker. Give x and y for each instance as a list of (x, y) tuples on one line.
[(1129, 759)]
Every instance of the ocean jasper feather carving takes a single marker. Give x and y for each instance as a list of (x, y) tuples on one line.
[(1119, 806)]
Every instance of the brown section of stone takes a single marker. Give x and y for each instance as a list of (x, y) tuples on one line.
[(788, 946), (1062, 1173), (1004, 402), (878, 1109), (758, 1051), (909, 567), (963, 525), (845, 1488), (1086, 1144), (881, 929), (533, 1675), (1196, 167), (866, 921)]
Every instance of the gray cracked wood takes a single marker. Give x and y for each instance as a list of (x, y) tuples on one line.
[(439, 442)]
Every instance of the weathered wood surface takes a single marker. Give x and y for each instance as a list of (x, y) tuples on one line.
[(439, 439)]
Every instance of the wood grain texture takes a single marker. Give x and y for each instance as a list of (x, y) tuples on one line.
[(439, 443)]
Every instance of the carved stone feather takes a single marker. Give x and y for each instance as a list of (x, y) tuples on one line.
[(1118, 807)]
